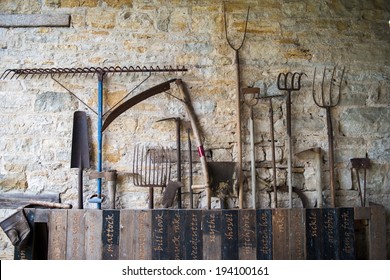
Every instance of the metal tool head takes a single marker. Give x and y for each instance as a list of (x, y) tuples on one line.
[(80, 144), (332, 100), (290, 81)]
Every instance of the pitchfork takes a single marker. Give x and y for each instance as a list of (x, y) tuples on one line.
[(289, 82), (331, 102), (151, 173)]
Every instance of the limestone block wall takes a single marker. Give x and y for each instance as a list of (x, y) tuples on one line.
[(282, 35)]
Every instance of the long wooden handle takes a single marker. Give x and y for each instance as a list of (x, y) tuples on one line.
[(195, 128)]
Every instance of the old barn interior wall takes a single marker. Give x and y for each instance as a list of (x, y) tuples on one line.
[(282, 35)]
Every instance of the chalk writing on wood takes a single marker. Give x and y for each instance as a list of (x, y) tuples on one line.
[(176, 234), (346, 234), (211, 224), (330, 237), (314, 234), (229, 236), (264, 234), (280, 230), (57, 235), (247, 234), (297, 234), (110, 235), (159, 243), (76, 235)]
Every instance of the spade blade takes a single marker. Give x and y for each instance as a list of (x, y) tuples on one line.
[(80, 145)]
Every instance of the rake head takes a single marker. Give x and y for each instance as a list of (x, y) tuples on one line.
[(152, 166), (290, 81), (331, 99)]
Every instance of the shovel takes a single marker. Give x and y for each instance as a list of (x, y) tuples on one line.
[(80, 150)]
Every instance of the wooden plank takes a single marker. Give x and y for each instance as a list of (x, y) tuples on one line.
[(110, 234), (330, 234), (75, 239), (211, 224), (297, 234), (229, 234), (159, 234), (143, 235), (377, 233), (34, 20), (27, 252), (346, 233), (314, 234), (93, 234), (362, 213), (58, 224), (176, 234), (264, 234), (247, 238), (16, 200), (127, 238), (280, 232), (193, 234)]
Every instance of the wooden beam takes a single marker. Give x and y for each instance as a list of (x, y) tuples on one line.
[(34, 20)]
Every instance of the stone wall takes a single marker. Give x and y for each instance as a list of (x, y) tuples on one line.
[(282, 35)]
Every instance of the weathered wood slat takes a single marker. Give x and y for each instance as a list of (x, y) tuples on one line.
[(297, 234), (377, 233), (280, 231), (346, 233), (314, 249), (229, 234), (247, 238), (127, 238), (58, 223), (193, 233), (176, 234), (16, 200), (75, 239), (211, 224), (160, 234), (264, 234), (93, 235), (34, 20), (110, 234), (143, 235)]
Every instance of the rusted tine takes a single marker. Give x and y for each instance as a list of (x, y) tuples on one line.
[(327, 105), (17, 73)]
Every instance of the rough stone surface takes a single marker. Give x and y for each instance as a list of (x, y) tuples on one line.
[(283, 35)]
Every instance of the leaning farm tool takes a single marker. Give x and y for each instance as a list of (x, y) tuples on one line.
[(118, 109), (357, 164), (272, 132), (327, 103), (255, 92), (152, 169), (80, 150), (238, 106), (195, 128), (289, 82), (178, 155)]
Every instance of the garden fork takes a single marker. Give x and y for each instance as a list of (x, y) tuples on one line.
[(327, 104), (289, 82)]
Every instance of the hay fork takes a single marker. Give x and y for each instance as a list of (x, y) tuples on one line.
[(327, 104), (289, 82)]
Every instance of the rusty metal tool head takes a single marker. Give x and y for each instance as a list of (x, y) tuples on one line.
[(357, 164), (333, 99), (178, 154), (289, 82), (152, 168), (328, 103)]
